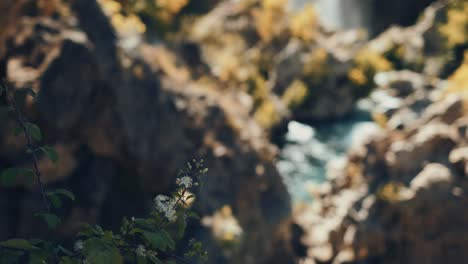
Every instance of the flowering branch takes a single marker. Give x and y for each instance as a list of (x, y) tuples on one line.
[(30, 149)]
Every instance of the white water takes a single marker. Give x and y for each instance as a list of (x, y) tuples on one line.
[(309, 149), (340, 14)]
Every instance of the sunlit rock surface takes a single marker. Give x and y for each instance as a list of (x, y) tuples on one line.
[(400, 196)]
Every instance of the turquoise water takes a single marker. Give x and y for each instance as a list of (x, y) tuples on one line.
[(308, 149)]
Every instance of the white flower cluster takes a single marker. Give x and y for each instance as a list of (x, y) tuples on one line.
[(166, 205), (78, 246), (143, 252), (185, 182)]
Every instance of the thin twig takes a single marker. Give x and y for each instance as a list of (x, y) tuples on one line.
[(22, 123)]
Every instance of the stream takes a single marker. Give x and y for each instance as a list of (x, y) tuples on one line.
[(308, 149)]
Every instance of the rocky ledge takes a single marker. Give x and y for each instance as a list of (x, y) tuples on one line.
[(401, 196)]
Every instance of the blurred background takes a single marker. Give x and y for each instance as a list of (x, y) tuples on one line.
[(335, 131)]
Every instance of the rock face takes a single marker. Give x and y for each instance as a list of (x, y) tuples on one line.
[(403, 13), (123, 127), (400, 197), (290, 66)]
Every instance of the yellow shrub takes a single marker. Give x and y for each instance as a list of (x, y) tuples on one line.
[(380, 118), (315, 67), (366, 64), (370, 60), (456, 28), (391, 192), (277, 5), (268, 18), (258, 88), (357, 76), (267, 115), (124, 24), (172, 6), (458, 82), (303, 25), (295, 94)]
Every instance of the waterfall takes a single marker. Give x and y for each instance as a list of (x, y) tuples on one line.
[(340, 14)]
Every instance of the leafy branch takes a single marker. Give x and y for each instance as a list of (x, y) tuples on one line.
[(146, 240), (30, 131)]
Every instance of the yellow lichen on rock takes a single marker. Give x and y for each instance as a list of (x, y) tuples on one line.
[(124, 24), (366, 64), (458, 82), (456, 28), (315, 67), (295, 94), (357, 76), (303, 24), (268, 18), (369, 60), (267, 115)]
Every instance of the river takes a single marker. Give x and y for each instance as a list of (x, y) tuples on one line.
[(310, 148)]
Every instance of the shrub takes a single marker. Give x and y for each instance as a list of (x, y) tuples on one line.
[(139, 240)]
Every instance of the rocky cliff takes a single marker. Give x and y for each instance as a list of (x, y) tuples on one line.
[(123, 127), (401, 196)]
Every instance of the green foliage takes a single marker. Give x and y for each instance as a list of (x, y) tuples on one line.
[(144, 240), (51, 220), (10, 176), (51, 153), (34, 131)]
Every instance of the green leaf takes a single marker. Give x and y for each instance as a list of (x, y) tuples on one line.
[(38, 257), (86, 230), (34, 131), (35, 241), (191, 214), (55, 199), (18, 244), (124, 227), (65, 251), (97, 251), (66, 193), (51, 220), (51, 153), (180, 226), (155, 260), (141, 260), (18, 131), (160, 239), (10, 176), (69, 260)]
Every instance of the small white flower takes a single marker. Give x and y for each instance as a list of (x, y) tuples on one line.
[(161, 203), (171, 215), (141, 251), (166, 205), (151, 253), (185, 182), (78, 246)]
